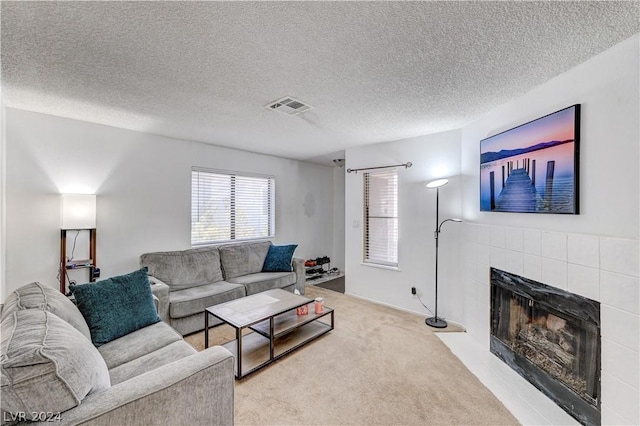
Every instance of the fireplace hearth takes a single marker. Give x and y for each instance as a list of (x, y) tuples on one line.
[(551, 338)]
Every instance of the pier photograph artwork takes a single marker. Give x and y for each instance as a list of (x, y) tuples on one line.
[(533, 168)]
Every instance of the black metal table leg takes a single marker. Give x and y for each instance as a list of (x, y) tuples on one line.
[(271, 327), (206, 329), (239, 350)]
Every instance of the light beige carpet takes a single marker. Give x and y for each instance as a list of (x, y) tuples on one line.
[(379, 366)]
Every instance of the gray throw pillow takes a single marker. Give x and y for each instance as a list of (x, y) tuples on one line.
[(38, 296), (47, 365)]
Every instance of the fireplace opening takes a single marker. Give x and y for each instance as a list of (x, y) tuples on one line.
[(550, 337)]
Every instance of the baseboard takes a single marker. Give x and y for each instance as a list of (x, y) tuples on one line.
[(377, 302)]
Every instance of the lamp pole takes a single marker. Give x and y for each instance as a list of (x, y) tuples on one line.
[(435, 321)]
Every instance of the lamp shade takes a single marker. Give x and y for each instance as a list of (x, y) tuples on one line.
[(78, 211), (437, 183)]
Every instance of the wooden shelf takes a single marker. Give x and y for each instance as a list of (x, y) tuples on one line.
[(325, 277), (288, 321), (66, 265), (255, 347), (255, 352), (79, 264), (300, 336)]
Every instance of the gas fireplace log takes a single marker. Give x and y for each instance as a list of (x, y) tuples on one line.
[(551, 349)]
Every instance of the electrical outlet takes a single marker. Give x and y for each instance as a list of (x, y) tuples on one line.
[(413, 291)]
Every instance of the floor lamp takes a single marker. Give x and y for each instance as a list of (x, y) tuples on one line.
[(434, 321)]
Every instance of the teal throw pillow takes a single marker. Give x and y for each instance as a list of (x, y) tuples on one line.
[(279, 258), (116, 306)]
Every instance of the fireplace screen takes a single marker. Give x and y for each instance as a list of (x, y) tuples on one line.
[(552, 338)]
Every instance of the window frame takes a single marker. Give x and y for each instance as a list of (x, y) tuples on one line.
[(366, 259), (270, 200)]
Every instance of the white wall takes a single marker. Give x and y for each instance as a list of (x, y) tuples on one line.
[(143, 187), (596, 253), (607, 88), (433, 156)]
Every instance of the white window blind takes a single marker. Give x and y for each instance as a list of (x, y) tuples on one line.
[(381, 218), (229, 206)]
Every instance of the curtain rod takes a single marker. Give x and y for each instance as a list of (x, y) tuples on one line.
[(405, 165)]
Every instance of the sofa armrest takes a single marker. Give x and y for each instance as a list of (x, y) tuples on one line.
[(301, 276), (161, 291), (156, 302), (198, 389)]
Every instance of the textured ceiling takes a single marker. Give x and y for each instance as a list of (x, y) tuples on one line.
[(373, 71)]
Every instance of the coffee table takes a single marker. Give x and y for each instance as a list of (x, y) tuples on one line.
[(274, 327)]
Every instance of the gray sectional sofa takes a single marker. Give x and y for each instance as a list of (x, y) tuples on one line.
[(186, 282), (51, 371)]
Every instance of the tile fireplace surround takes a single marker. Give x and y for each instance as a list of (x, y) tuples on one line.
[(599, 268)]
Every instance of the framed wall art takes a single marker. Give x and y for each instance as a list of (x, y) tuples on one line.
[(533, 168)]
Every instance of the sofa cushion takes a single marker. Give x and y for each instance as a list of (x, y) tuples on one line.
[(196, 299), (151, 361), (116, 306), (47, 365), (38, 296), (256, 283), (185, 268), (137, 344), (243, 258), (279, 258)]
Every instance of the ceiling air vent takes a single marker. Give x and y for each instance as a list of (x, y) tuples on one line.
[(289, 106)]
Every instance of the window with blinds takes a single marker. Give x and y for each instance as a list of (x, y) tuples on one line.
[(381, 218), (229, 206)]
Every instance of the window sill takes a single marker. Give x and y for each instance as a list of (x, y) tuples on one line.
[(244, 240), (388, 268)]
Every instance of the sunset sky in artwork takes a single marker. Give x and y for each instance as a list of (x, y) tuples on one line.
[(557, 126)]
